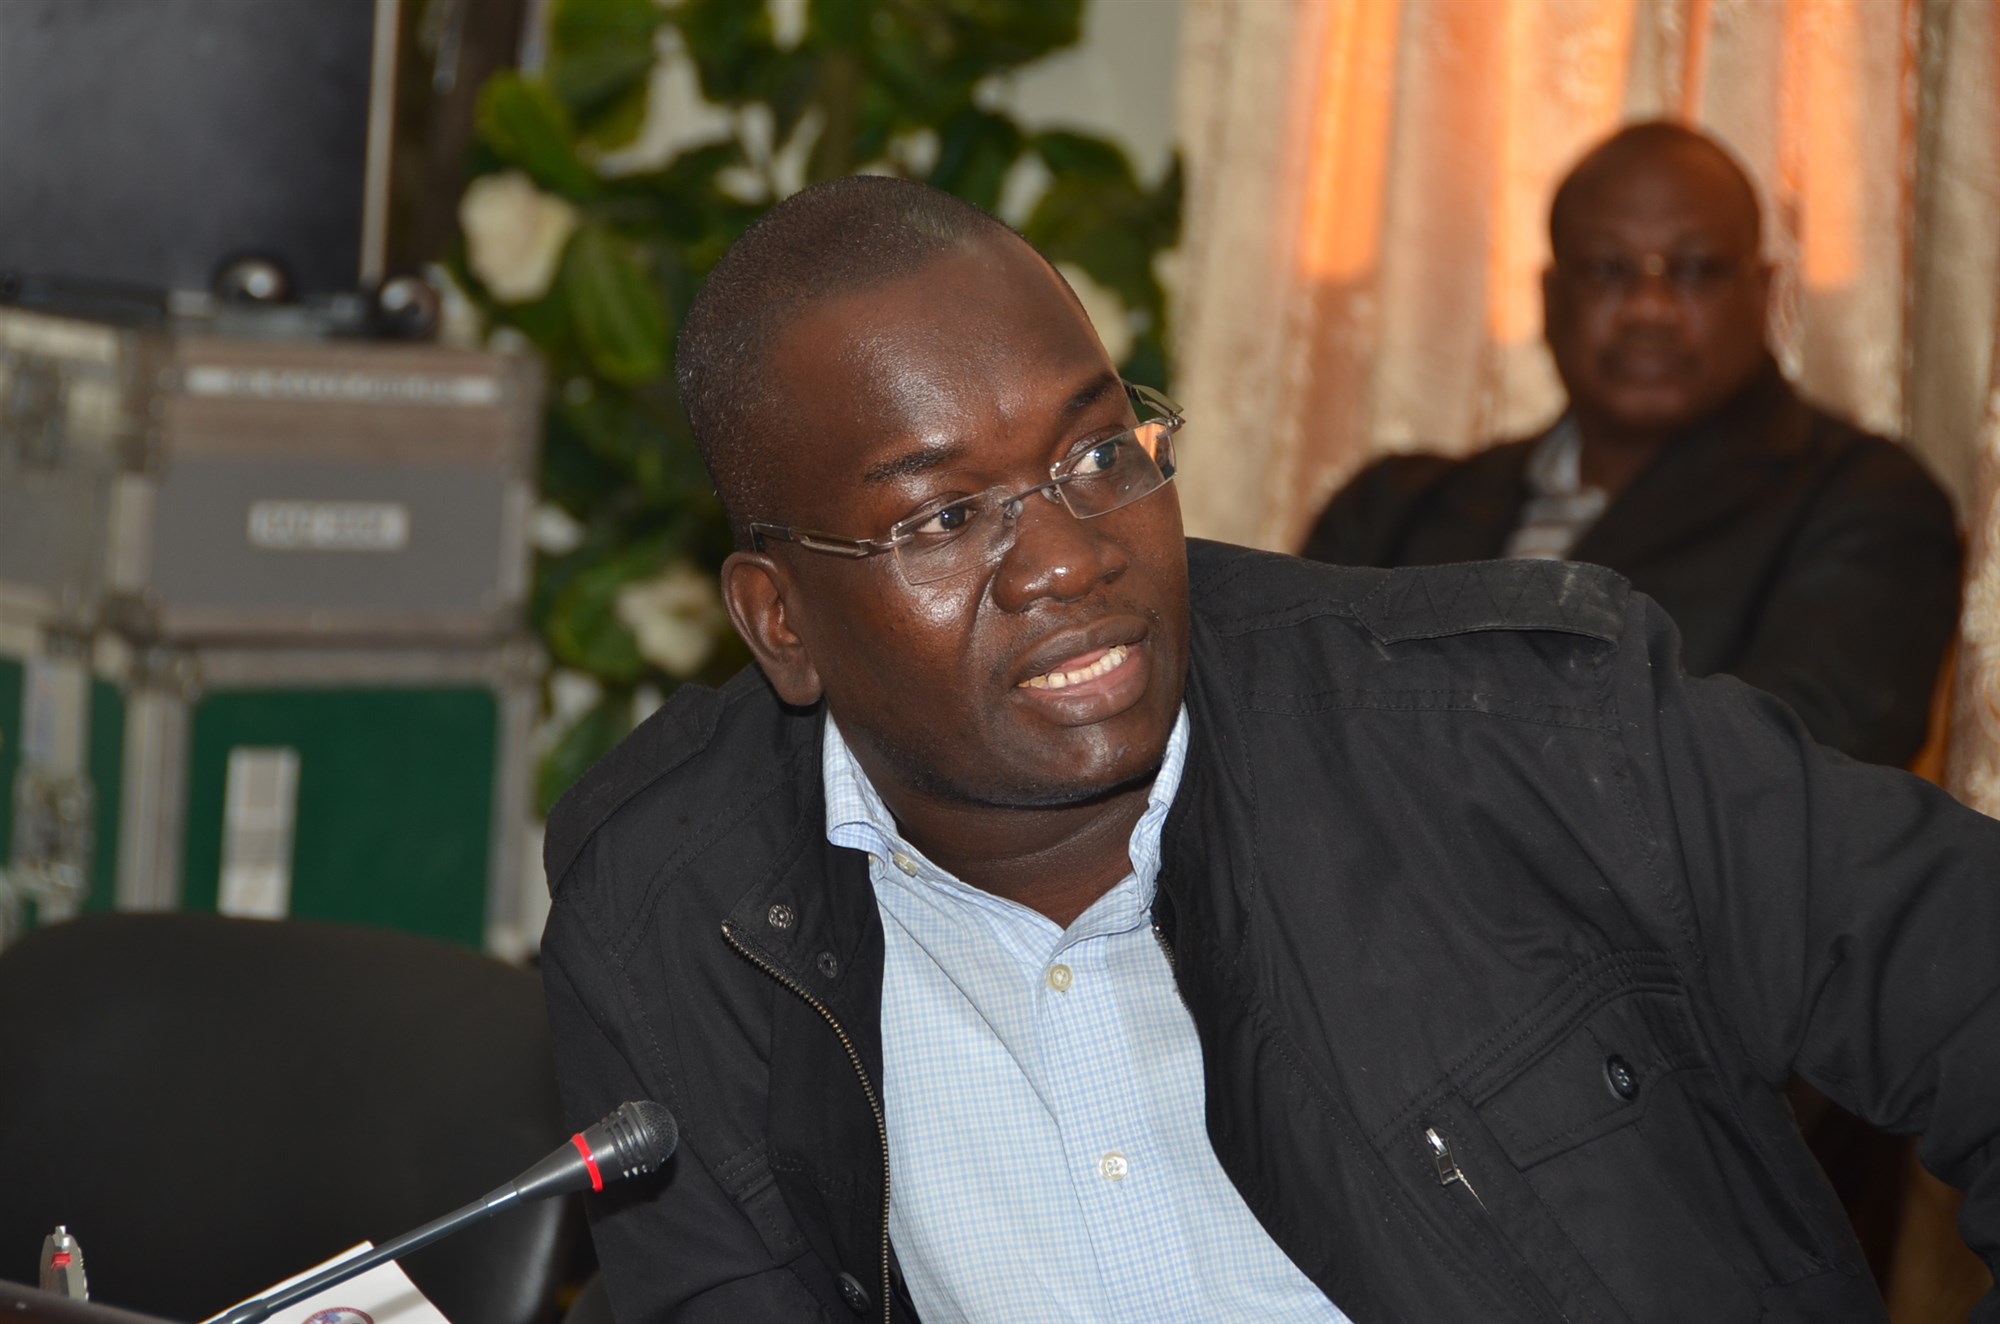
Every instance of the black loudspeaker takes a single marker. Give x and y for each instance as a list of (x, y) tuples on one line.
[(147, 143)]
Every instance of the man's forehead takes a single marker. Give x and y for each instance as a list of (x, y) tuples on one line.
[(982, 324), (924, 370), (1677, 185)]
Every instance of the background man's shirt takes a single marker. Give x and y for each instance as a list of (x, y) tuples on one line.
[(1559, 508)]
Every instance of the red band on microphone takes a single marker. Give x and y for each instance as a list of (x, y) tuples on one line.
[(589, 1161)]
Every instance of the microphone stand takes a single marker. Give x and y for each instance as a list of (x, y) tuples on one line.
[(635, 1138)]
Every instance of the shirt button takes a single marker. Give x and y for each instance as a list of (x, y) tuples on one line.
[(906, 864), (1113, 1167), (1059, 978), (1619, 1075)]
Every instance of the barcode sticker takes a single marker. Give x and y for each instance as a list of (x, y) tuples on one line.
[(329, 526), (220, 381), (260, 807)]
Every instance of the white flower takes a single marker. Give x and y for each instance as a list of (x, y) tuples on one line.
[(675, 617), (514, 235), (1107, 312), (551, 529)]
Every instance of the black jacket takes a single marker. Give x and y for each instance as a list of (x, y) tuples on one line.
[(1498, 933), (1793, 550)]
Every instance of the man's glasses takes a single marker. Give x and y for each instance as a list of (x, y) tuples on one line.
[(1694, 277), (952, 537)]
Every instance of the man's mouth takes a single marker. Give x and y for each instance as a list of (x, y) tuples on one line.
[(1079, 670), (1647, 364)]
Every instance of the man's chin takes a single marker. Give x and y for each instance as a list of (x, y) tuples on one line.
[(1071, 785), (1067, 793), (1650, 410)]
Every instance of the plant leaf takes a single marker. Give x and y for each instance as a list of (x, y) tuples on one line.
[(975, 151), (1083, 156), (588, 739), (581, 25), (601, 63), (1096, 215), (583, 626), (617, 311), (730, 42), (528, 126)]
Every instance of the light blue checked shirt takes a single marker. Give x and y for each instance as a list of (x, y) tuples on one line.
[(1048, 1155)]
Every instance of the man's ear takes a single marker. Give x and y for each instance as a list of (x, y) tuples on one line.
[(1763, 274), (754, 588)]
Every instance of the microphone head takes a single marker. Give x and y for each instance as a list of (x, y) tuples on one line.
[(640, 1134)]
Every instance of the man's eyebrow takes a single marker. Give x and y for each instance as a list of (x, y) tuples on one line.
[(1099, 387), (911, 463)]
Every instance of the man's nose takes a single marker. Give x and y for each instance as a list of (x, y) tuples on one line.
[(1055, 555), (1651, 298)]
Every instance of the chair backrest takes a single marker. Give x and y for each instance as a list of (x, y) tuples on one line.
[(212, 1104)]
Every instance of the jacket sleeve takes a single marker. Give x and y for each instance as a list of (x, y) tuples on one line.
[(674, 1247), (1859, 616), (1847, 915)]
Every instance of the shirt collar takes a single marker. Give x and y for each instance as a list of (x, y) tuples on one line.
[(857, 818), (1555, 466)]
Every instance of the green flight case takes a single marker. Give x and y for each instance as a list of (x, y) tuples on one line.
[(371, 786)]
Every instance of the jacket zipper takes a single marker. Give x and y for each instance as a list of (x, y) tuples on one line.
[(861, 1072), (1449, 1173), (1447, 1166)]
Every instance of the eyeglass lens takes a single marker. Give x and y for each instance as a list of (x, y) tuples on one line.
[(979, 530), (1687, 275)]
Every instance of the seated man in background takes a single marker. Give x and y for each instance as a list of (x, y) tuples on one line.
[(1815, 561), (1068, 921)]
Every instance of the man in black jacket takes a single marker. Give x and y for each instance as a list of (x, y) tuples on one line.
[(1792, 549), (1487, 936)]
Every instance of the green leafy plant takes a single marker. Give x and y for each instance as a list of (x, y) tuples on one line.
[(595, 267)]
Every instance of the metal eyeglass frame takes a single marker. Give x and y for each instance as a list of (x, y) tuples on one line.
[(1687, 276), (1143, 398)]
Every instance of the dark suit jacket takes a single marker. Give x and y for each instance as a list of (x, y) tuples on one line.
[(1812, 559)]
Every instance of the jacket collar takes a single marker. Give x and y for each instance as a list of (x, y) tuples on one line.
[(1207, 872), (810, 914)]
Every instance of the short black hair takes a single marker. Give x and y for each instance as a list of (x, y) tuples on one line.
[(833, 238), (1634, 142)]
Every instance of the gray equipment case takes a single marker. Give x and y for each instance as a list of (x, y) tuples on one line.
[(201, 490)]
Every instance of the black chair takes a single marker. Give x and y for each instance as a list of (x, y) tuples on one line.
[(213, 1104)]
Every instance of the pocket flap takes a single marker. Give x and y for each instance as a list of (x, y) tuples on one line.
[(1594, 1078)]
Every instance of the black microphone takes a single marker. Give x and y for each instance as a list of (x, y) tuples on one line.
[(635, 1139)]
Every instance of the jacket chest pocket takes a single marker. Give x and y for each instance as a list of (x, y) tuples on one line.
[(1616, 1164)]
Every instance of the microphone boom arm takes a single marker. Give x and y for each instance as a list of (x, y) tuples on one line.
[(635, 1138)]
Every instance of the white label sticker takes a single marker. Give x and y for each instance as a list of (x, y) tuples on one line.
[(329, 526), (214, 381), (260, 804)]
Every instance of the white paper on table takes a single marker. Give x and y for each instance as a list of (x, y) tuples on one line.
[(383, 1295)]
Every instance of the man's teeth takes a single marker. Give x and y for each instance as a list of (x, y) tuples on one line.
[(1112, 659)]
